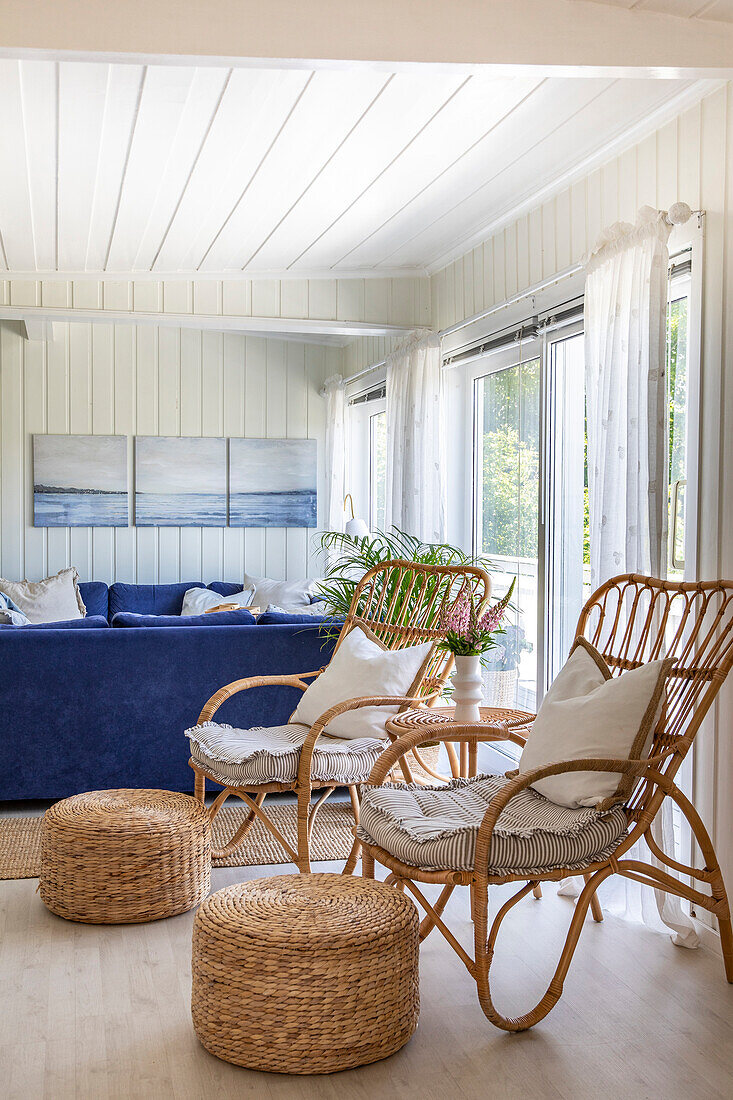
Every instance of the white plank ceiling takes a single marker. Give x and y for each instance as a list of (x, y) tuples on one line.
[(164, 168)]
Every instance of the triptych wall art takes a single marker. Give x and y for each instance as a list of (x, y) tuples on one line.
[(179, 481)]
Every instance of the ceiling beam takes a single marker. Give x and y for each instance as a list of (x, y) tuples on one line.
[(396, 33), (292, 328), (38, 329)]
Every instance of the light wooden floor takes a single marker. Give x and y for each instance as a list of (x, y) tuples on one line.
[(96, 1013)]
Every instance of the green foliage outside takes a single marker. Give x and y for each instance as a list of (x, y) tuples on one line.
[(510, 461)]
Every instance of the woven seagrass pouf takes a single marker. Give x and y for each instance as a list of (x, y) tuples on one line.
[(305, 973), (125, 856)]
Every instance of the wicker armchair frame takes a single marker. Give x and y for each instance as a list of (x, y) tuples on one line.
[(402, 603), (631, 620)]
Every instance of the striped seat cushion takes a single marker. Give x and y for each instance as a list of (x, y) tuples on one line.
[(271, 754), (435, 828)]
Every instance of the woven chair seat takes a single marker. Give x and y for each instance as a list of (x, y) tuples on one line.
[(237, 757), (435, 828)]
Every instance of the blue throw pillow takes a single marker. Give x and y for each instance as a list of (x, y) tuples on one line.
[(216, 618)]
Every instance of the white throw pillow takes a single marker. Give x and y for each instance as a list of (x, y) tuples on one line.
[(52, 600), (197, 601), (587, 714), (362, 666), (283, 593)]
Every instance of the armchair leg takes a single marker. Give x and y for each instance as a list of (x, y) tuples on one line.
[(367, 864), (304, 801), (484, 953), (595, 905), (199, 787), (726, 943)]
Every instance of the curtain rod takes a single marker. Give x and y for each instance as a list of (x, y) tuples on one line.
[(678, 214), (528, 293)]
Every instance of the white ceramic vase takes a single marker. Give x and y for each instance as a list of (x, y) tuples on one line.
[(467, 690)]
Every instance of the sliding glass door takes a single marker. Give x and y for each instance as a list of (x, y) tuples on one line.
[(530, 490), (507, 479)]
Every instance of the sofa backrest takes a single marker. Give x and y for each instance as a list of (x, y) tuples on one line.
[(225, 588), (149, 599), (95, 595)]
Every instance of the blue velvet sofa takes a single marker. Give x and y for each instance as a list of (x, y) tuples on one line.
[(89, 705)]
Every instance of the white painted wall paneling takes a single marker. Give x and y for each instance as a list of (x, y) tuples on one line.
[(132, 381)]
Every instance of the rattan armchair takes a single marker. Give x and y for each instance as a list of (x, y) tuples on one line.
[(402, 603), (631, 620)]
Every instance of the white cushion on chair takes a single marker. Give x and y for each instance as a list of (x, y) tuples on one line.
[(435, 828), (587, 714), (271, 754), (362, 666)]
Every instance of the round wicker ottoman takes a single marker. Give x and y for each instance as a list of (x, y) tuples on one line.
[(305, 973), (125, 856)]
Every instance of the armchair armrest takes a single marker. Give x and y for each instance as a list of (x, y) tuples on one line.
[(402, 745), (320, 723), (296, 680)]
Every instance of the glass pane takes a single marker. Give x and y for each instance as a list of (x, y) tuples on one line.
[(378, 470), (568, 565), (677, 321), (507, 453)]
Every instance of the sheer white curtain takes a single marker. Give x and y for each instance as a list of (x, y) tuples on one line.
[(415, 497), (626, 395), (334, 392), (626, 406)]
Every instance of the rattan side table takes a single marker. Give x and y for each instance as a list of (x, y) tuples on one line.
[(497, 724), (125, 856), (307, 973)]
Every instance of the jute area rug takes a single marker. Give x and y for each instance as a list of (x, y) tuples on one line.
[(20, 839)]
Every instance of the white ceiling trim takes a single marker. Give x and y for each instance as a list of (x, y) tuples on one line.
[(619, 144)]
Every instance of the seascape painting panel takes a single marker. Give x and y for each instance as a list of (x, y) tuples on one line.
[(180, 481), (272, 483), (80, 480)]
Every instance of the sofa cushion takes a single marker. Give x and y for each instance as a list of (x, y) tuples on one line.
[(95, 595), (216, 618), (280, 618), (271, 754), (89, 622), (435, 828), (149, 599)]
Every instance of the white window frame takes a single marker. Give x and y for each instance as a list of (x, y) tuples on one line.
[(359, 466)]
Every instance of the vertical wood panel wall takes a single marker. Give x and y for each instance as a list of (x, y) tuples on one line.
[(683, 160), (690, 159), (135, 380)]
